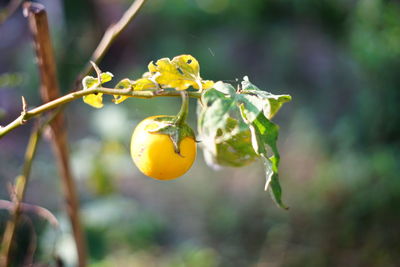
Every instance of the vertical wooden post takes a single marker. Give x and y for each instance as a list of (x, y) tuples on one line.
[(49, 90)]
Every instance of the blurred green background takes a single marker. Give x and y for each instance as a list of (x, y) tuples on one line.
[(339, 140)]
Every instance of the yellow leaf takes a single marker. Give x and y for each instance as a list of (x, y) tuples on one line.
[(207, 84), (120, 98), (95, 100), (179, 73), (138, 85), (123, 84), (144, 84)]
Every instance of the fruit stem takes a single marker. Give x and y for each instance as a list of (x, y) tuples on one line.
[(183, 113)]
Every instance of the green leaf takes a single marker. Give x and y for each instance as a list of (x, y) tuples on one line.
[(252, 105), (274, 187), (167, 125), (225, 137), (265, 134), (222, 135), (235, 148), (234, 129), (218, 107), (225, 88), (271, 103)]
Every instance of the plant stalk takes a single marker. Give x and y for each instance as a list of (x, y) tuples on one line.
[(108, 38), (29, 114), (20, 189), (184, 111)]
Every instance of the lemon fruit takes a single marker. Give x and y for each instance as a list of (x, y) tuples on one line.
[(154, 153)]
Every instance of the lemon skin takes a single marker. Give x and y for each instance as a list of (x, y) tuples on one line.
[(154, 153)]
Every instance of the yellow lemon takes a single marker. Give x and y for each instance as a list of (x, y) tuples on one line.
[(154, 154)]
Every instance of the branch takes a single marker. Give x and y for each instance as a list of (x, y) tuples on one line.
[(50, 93), (27, 115), (25, 207), (49, 90), (20, 189), (109, 36), (9, 10)]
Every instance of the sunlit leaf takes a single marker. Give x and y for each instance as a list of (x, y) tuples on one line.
[(106, 77), (123, 84), (265, 134), (207, 84), (90, 82), (225, 88), (180, 73), (95, 100), (234, 130), (138, 85), (272, 103), (224, 136), (235, 148), (144, 84)]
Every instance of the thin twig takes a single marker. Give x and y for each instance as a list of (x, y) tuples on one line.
[(25, 207), (49, 91), (108, 38), (20, 189), (75, 95), (9, 10), (17, 194)]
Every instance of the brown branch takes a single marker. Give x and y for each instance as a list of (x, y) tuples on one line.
[(49, 90), (109, 36)]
